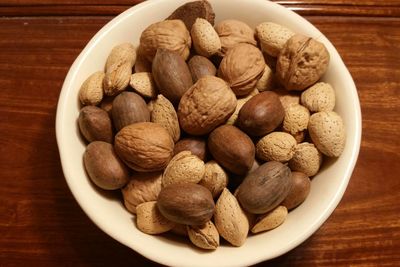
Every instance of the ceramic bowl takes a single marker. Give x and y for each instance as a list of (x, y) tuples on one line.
[(110, 215)]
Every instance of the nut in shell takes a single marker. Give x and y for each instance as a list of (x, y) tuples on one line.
[(266, 80), (149, 220), (196, 145), (142, 187), (163, 113), (215, 178), (319, 97), (326, 129), (302, 62), (207, 104), (240, 102), (143, 84), (232, 32), (205, 39), (230, 220), (276, 146), (270, 220), (168, 34), (204, 236), (201, 66), (306, 159), (183, 168), (301, 185), (95, 124), (91, 91), (241, 68), (272, 37), (144, 146), (296, 119)]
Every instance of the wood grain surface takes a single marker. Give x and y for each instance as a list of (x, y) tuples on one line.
[(42, 225)]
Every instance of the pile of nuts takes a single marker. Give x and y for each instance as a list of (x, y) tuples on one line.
[(210, 131)]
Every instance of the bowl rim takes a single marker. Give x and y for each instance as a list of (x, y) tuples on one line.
[(62, 107)]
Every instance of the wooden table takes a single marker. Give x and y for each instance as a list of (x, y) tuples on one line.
[(42, 225)]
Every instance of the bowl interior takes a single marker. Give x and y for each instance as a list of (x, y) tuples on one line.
[(109, 214)]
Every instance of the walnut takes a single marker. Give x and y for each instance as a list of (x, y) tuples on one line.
[(241, 67), (207, 104), (168, 34), (232, 32), (302, 62)]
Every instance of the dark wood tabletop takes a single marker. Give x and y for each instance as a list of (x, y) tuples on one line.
[(42, 225)]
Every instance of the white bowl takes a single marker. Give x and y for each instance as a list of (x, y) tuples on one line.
[(109, 214)]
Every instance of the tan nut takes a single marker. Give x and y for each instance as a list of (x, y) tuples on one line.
[(240, 102), (296, 119), (306, 159), (319, 97), (230, 220), (142, 187), (272, 37), (327, 132), (233, 32), (215, 178), (266, 81), (204, 236), (91, 92), (183, 168), (143, 84), (163, 113), (287, 97), (276, 146), (149, 220), (124, 53), (270, 220), (205, 39)]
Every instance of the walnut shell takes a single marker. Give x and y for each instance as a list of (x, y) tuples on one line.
[(302, 62), (142, 187), (207, 104), (144, 146), (168, 34), (232, 32), (241, 68)]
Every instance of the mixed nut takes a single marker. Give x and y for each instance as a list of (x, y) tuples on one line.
[(210, 131)]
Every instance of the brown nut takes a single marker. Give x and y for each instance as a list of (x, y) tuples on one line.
[(189, 12), (143, 84), (270, 220), (241, 68), (144, 146), (287, 97), (106, 104), (230, 220), (168, 34), (142, 187), (183, 168), (187, 203), (301, 63), (277, 146), (300, 189), (319, 97), (142, 64), (149, 220), (306, 159), (327, 132), (196, 145), (240, 102), (104, 167), (215, 178), (207, 104), (91, 91), (266, 81), (171, 74), (204, 236), (95, 124), (129, 108), (232, 148), (163, 113), (200, 66), (233, 32), (265, 188), (262, 114)]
